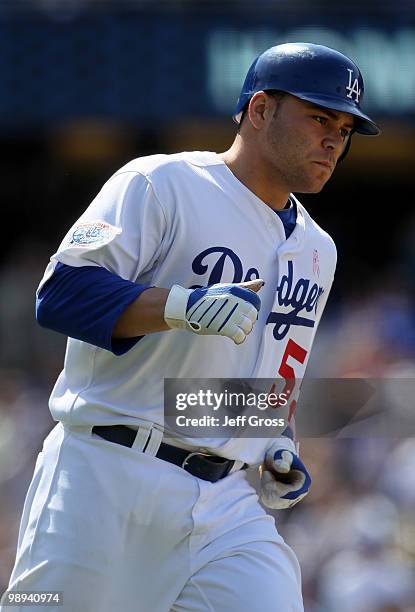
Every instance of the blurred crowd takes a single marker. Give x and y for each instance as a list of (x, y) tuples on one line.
[(83, 5), (355, 532), (61, 5)]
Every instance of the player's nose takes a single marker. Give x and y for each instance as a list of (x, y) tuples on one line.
[(334, 142)]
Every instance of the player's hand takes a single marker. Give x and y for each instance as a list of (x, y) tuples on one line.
[(284, 478), (224, 309)]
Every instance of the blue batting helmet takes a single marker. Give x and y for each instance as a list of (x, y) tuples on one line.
[(310, 72)]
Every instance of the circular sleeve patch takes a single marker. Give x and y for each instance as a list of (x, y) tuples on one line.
[(90, 233)]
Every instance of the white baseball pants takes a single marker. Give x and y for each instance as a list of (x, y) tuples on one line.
[(119, 530)]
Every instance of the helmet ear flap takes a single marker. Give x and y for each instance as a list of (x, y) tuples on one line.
[(240, 116), (346, 148)]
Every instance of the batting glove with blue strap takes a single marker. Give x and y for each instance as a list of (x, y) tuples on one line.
[(284, 477), (224, 309)]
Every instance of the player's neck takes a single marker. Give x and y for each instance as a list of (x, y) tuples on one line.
[(250, 173)]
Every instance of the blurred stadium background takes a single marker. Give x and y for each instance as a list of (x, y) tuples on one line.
[(87, 85)]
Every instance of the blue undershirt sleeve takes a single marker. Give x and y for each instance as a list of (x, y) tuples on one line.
[(85, 303)]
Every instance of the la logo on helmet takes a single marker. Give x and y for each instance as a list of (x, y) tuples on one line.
[(353, 89)]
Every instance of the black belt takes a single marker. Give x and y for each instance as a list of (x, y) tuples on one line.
[(202, 465)]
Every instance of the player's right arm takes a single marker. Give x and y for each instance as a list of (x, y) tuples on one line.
[(90, 292), (227, 310), (96, 306)]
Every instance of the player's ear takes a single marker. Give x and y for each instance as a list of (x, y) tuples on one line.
[(259, 110)]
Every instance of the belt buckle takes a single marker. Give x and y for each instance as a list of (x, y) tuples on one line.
[(190, 455)]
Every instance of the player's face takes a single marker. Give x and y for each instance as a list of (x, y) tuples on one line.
[(303, 143)]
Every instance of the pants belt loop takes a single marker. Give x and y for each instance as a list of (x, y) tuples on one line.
[(236, 466), (143, 434), (153, 445)]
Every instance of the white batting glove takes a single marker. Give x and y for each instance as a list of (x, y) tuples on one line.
[(223, 309), (284, 477)]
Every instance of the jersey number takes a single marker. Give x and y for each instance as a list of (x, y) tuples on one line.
[(287, 372)]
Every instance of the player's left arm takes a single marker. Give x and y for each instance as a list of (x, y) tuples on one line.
[(285, 479)]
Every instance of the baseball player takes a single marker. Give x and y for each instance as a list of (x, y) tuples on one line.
[(190, 265)]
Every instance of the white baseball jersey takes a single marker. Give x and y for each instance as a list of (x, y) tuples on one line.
[(186, 219)]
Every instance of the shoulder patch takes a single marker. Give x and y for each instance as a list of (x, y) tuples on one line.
[(90, 233)]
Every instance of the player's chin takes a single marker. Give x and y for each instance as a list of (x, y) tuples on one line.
[(312, 186), (311, 181), (318, 188), (318, 177)]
